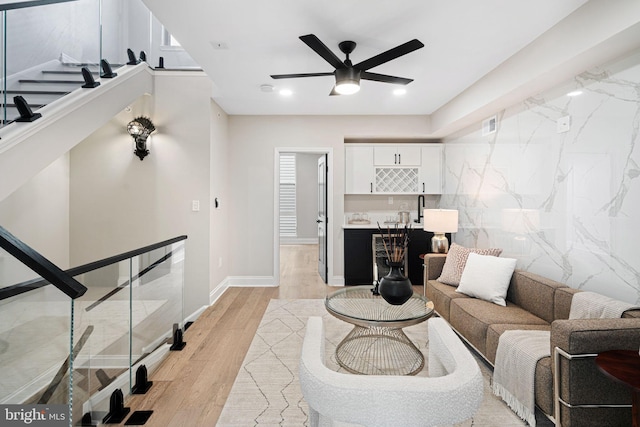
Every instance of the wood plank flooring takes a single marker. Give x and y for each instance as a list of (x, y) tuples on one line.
[(190, 387)]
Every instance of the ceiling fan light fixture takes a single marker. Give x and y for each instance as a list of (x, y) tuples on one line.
[(347, 81)]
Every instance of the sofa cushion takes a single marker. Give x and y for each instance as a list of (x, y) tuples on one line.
[(472, 317), (456, 260), (441, 295), (534, 293), (487, 277)]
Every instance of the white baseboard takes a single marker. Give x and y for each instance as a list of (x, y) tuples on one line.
[(336, 281), (298, 240), (217, 292), (252, 281)]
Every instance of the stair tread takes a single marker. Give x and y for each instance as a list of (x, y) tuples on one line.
[(34, 92), (51, 81), (73, 72)]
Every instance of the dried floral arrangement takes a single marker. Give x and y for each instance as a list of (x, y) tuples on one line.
[(395, 241)]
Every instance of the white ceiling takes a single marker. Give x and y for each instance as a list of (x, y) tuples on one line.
[(241, 43)]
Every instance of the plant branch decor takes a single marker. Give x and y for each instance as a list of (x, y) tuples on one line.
[(396, 243), (395, 287)]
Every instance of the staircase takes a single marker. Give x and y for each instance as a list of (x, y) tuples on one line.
[(42, 85)]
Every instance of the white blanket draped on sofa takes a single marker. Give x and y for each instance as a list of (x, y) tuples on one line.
[(514, 373), (590, 305)]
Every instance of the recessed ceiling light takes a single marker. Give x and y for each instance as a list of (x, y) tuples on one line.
[(399, 91), (266, 88), (286, 92), (575, 93)]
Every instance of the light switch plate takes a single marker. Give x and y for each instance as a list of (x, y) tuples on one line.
[(195, 205)]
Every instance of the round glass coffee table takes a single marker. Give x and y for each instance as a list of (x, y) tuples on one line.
[(377, 345)]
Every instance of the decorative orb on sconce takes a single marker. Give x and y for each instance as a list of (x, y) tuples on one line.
[(140, 128)]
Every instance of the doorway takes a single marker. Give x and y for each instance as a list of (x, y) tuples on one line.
[(303, 240)]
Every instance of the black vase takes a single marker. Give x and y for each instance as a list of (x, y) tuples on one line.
[(395, 288)]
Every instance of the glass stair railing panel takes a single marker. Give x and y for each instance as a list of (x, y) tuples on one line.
[(35, 330), (129, 310), (102, 319), (75, 352), (146, 34), (157, 299), (45, 49)]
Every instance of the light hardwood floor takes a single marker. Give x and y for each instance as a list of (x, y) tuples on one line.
[(191, 386)]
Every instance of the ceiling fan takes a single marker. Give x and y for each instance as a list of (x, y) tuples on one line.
[(348, 75)]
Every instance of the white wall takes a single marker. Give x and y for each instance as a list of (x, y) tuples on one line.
[(307, 195), (253, 140), (119, 203), (577, 193), (221, 238), (38, 214)]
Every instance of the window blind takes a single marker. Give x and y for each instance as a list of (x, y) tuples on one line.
[(288, 220)]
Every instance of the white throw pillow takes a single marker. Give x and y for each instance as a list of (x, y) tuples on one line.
[(456, 259), (487, 277)]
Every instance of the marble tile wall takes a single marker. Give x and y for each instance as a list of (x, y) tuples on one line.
[(566, 204)]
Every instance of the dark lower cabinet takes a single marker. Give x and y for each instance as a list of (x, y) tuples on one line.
[(358, 255)]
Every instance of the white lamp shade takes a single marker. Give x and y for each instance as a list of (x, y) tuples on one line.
[(441, 220)]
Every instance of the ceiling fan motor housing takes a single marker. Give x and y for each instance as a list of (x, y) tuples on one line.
[(347, 74)]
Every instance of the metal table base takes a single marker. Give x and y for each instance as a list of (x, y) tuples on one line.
[(379, 351)]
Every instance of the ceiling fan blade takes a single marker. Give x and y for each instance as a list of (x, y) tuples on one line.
[(390, 54), (334, 92), (365, 75), (293, 76), (321, 49)]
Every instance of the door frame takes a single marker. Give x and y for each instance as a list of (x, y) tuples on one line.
[(276, 204)]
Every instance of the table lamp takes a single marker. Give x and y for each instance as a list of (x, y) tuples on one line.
[(440, 221)]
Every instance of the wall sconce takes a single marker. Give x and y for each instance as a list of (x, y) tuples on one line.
[(440, 221), (140, 128)]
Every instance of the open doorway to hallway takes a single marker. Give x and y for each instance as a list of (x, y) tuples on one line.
[(299, 276), (302, 220)]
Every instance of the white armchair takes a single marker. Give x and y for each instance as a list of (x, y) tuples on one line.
[(451, 394)]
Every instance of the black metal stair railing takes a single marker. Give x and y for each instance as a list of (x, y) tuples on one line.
[(41, 265), (29, 285)]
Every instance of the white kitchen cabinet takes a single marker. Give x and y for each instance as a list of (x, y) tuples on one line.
[(396, 155), (359, 170), (430, 180), (370, 169)]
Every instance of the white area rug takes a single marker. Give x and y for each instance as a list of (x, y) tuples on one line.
[(266, 391)]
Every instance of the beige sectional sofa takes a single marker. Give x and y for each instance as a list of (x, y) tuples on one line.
[(534, 302)]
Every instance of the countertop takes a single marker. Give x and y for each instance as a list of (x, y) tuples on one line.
[(375, 218), (374, 225)]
